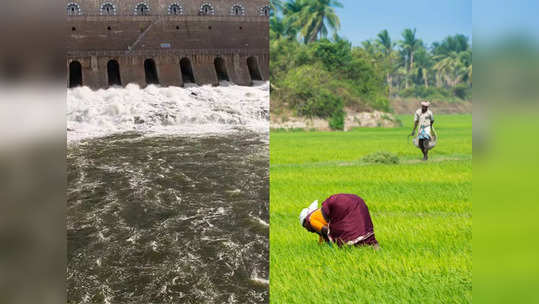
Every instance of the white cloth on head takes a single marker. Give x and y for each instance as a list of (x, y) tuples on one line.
[(306, 211)]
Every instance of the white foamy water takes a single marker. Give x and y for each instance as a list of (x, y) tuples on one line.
[(160, 111), (257, 279)]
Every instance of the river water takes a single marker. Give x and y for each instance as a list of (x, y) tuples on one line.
[(164, 208)]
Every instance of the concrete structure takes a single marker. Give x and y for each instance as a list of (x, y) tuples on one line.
[(169, 42)]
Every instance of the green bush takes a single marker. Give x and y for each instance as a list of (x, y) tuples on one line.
[(309, 90), (333, 55), (337, 120), (462, 91), (324, 104), (381, 103), (311, 94), (301, 72), (381, 158)]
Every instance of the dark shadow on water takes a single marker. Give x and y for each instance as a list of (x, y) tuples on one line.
[(168, 220)]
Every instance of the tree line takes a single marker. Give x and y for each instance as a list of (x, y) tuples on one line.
[(309, 60)]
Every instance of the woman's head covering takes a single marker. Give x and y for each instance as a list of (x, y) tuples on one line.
[(306, 211), (425, 103), (315, 221)]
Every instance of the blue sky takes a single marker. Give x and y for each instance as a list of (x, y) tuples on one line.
[(433, 19)]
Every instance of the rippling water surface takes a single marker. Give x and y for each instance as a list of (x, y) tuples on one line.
[(168, 194), (168, 219)]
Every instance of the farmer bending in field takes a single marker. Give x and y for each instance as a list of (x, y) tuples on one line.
[(343, 219), (424, 118)]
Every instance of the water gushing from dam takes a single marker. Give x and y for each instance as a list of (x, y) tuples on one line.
[(168, 195), (170, 110)]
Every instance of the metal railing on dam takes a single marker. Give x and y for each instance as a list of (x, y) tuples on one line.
[(132, 17), (164, 52)]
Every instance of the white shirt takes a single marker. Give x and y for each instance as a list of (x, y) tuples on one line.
[(424, 119)]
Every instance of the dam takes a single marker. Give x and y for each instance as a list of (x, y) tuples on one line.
[(166, 42)]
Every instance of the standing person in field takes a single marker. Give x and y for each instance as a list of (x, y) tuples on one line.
[(342, 219), (424, 118)]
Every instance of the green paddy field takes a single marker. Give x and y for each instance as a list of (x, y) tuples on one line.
[(422, 214)]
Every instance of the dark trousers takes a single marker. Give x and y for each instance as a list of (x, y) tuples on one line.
[(424, 146)]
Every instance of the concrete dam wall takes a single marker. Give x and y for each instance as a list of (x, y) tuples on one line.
[(166, 43)]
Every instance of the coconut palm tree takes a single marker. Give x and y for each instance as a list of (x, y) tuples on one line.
[(385, 42), (465, 57), (386, 45), (370, 48), (277, 28), (291, 10), (275, 6), (469, 74), (423, 64), (447, 67), (315, 17), (409, 44), (457, 43), (454, 67), (293, 7)]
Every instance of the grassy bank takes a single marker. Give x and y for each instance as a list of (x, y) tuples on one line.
[(421, 212)]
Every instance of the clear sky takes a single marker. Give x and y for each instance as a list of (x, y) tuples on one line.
[(433, 19)]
